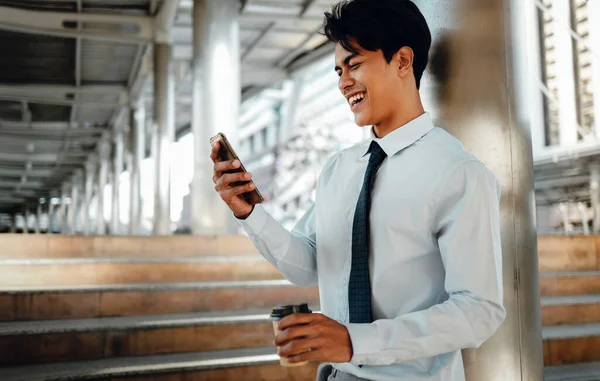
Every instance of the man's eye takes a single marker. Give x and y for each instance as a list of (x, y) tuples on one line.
[(354, 66)]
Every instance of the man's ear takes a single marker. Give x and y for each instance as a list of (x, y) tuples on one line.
[(404, 60)]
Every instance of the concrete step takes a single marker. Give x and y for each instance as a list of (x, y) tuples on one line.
[(568, 253), (39, 342), (573, 372), (238, 364), (570, 283), (18, 246), (87, 301), (579, 309), (571, 344), (73, 271)]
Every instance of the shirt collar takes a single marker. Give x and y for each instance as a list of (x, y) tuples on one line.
[(401, 137)]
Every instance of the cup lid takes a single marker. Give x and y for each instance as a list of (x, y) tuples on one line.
[(281, 311)]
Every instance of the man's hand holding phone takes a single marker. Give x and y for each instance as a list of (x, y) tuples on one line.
[(232, 195)]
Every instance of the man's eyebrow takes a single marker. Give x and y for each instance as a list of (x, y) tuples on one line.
[(346, 61)]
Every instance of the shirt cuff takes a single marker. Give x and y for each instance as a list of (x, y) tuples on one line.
[(365, 342), (256, 221)]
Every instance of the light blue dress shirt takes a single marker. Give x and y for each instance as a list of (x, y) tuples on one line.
[(435, 255)]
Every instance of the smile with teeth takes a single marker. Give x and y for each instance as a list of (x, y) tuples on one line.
[(356, 99)]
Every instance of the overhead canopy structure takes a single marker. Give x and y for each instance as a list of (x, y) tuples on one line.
[(71, 69)]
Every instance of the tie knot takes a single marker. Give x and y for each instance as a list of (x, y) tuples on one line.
[(377, 154)]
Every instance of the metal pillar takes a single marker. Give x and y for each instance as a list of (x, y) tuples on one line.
[(74, 206), (90, 174), (565, 72), (594, 43), (595, 195), (486, 110), (119, 148), (531, 87), (104, 158), (164, 117), (215, 105), (138, 149)]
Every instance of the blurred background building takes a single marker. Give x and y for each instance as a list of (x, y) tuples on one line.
[(63, 97)]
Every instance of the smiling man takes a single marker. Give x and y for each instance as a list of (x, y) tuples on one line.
[(403, 239)]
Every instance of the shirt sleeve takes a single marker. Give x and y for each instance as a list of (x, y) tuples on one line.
[(292, 253), (466, 224)]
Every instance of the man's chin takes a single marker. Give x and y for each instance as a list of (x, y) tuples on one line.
[(361, 121)]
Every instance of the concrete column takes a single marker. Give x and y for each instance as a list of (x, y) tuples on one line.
[(74, 206), (164, 118), (104, 151), (91, 166), (51, 212), (63, 209), (594, 44), (138, 150), (582, 208), (564, 212), (486, 109), (565, 72), (13, 224), (118, 156), (293, 90), (26, 216), (215, 105), (595, 195), (38, 217)]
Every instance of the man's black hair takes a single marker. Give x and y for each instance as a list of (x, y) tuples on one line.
[(388, 25)]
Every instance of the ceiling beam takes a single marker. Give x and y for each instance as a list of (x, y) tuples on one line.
[(299, 64), (257, 40), (19, 184), (61, 91), (562, 182), (33, 157), (8, 172), (45, 129), (65, 95), (164, 20), (64, 24)]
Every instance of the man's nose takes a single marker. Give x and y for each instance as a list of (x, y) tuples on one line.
[(345, 83)]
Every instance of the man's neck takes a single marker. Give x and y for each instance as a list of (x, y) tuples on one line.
[(398, 121)]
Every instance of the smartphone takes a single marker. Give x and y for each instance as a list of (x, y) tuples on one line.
[(227, 153)]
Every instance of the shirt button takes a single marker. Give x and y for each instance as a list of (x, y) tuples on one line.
[(344, 281)]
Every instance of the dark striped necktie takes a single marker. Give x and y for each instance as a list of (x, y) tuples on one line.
[(359, 286)]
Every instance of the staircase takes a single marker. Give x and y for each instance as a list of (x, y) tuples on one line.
[(140, 308), (570, 297), (196, 308)]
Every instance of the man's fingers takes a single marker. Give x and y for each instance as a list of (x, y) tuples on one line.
[(312, 355), (214, 153), (228, 194), (294, 333), (296, 347), (221, 166), (243, 189), (295, 319), (229, 178)]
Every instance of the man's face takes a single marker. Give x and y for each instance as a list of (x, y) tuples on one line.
[(370, 85)]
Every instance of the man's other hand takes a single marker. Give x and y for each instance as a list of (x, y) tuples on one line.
[(313, 337)]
